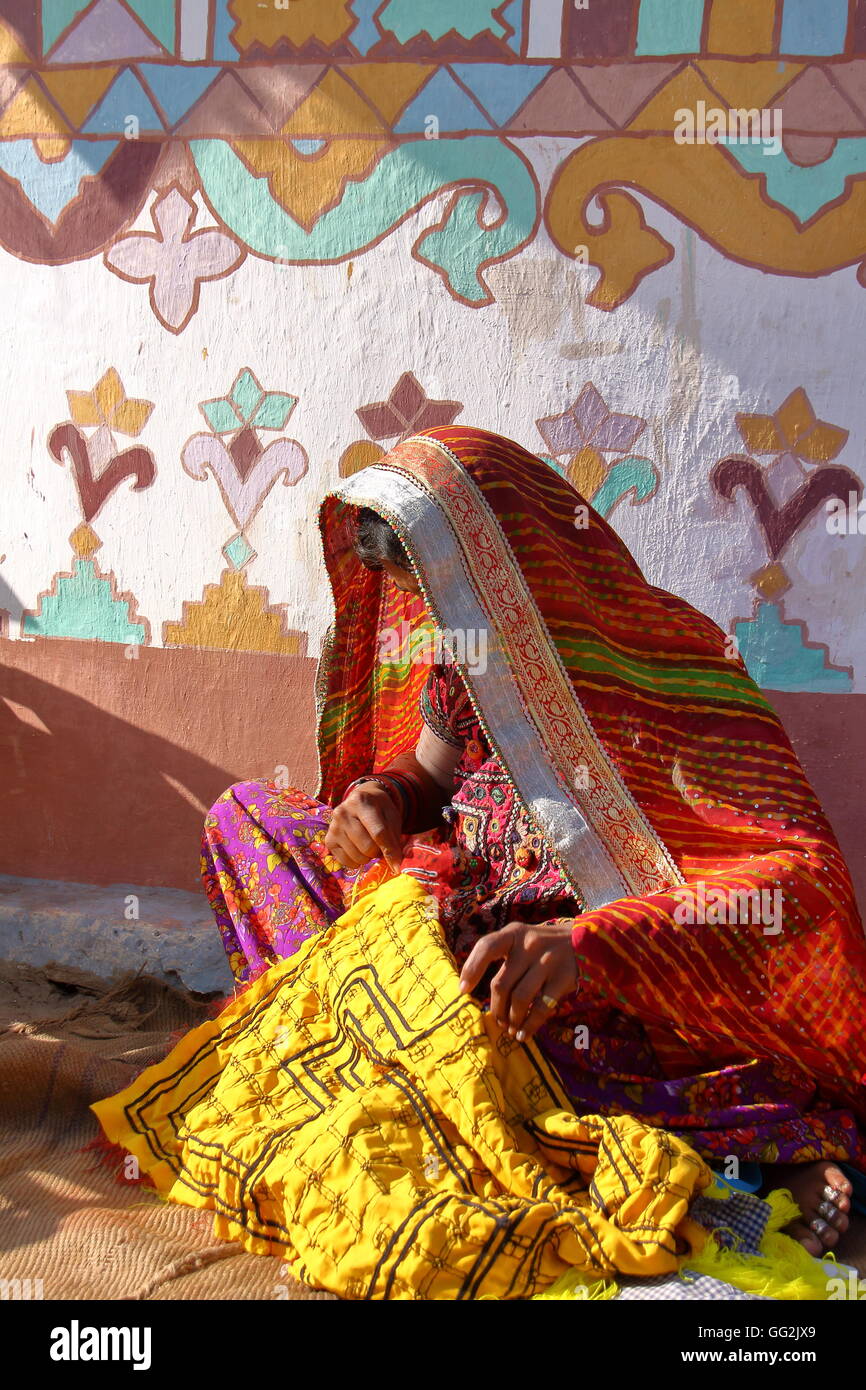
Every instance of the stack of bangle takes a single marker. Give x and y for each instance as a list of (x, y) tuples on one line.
[(406, 793)]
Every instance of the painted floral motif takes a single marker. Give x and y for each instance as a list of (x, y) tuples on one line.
[(248, 404), (97, 466), (408, 410), (583, 435), (785, 495), (588, 424), (235, 615), (245, 468), (792, 431), (174, 260), (108, 406)]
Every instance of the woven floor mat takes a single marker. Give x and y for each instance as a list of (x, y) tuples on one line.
[(66, 1218)]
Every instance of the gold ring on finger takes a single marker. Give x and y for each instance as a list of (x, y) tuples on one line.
[(548, 1002)]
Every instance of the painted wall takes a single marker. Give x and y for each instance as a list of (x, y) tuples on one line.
[(246, 247)]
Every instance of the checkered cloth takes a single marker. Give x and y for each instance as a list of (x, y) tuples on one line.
[(737, 1222), (683, 1285)]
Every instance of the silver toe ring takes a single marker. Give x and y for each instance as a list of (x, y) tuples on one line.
[(830, 1194), (819, 1227), (827, 1209)]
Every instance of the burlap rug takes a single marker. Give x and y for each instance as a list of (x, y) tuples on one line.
[(67, 1217)]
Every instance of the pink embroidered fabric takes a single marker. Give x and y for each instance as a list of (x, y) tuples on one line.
[(488, 865)]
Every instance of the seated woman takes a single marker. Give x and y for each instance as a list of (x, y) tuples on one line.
[(628, 858)]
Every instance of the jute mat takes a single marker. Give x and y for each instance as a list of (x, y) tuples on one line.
[(72, 1223)]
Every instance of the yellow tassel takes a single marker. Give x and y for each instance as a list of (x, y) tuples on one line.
[(782, 1270), (575, 1285), (783, 1210)]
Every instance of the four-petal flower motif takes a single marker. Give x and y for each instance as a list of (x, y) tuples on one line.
[(174, 260)]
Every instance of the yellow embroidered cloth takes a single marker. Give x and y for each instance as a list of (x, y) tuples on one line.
[(355, 1114)]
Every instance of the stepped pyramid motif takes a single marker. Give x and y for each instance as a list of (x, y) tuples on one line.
[(779, 657), (85, 603), (235, 616)]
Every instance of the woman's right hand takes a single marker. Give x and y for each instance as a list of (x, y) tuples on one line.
[(367, 825)]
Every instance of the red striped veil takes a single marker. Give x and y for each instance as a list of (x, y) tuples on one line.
[(718, 901)]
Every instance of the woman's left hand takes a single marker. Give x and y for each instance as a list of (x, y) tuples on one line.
[(539, 967)]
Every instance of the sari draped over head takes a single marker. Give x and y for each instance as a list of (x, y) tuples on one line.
[(720, 912), (353, 1111)]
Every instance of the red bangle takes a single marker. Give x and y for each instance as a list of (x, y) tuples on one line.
[(405, 792), (392, 791), (410, 790)]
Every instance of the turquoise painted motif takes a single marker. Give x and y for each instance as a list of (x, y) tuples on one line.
[(83, 605), (402, 181), (777, 657)]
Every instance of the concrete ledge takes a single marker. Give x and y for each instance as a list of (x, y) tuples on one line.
[(173, 937)]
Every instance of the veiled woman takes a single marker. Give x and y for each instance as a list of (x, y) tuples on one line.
[(628, 858), (627, 855)]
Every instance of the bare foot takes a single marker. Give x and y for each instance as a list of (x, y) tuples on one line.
[(823, 1194)]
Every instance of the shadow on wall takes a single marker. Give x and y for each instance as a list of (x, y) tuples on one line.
[(110, 764), (10, 605)]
